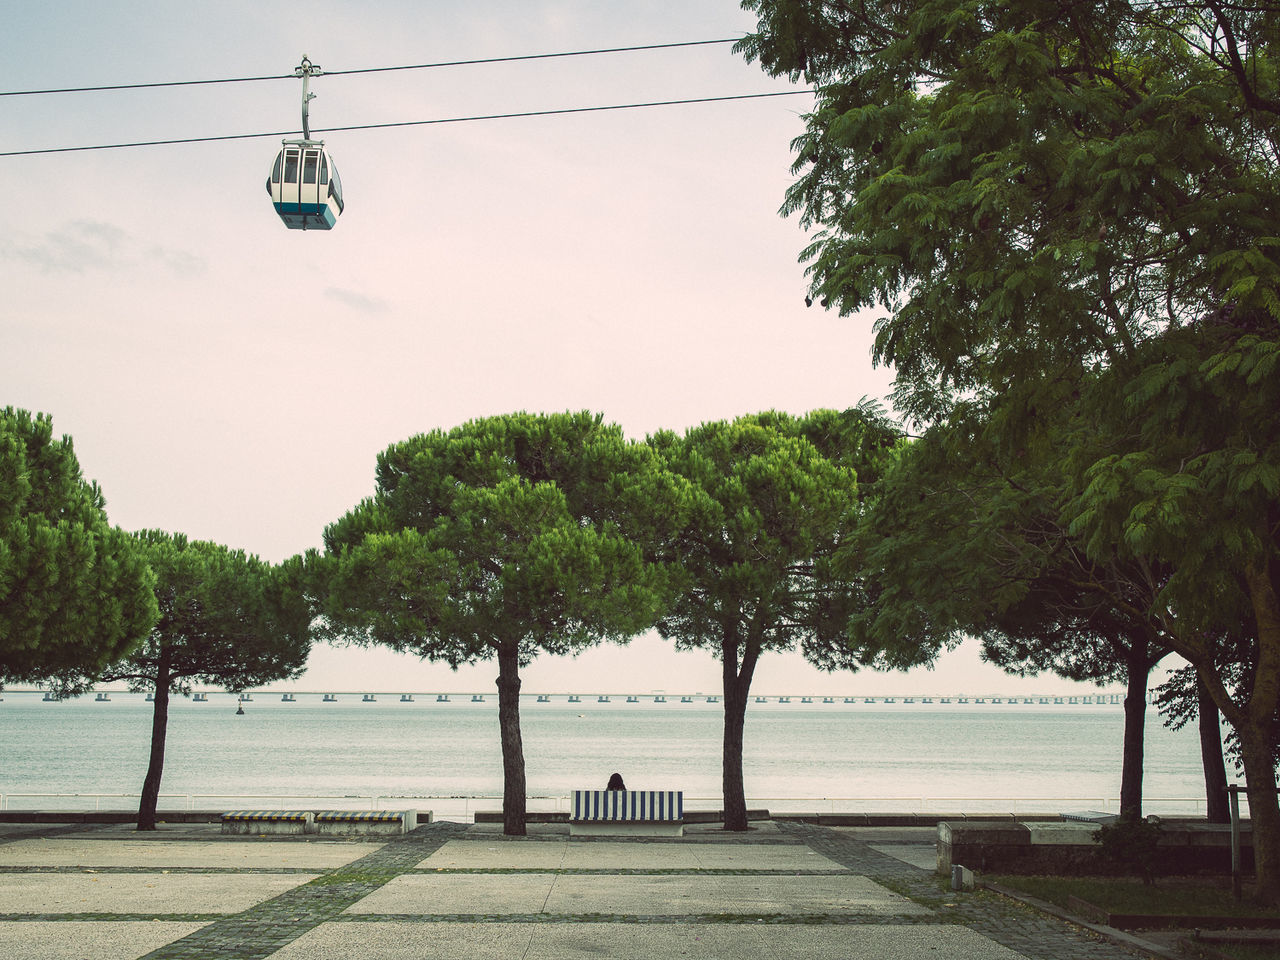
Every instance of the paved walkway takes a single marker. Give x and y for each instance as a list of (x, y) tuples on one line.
[(781, 892)]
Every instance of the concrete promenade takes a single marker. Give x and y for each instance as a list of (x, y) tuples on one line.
[(781, 892)]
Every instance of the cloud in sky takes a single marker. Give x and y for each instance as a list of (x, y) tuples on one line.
[(83, 246), (360, 302), (74, 247)]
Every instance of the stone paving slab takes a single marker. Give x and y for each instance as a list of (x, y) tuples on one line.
[(101, 940), (474, 894), (144, 893), (470, 894), (382, 940), (606, 855), (151, 854)]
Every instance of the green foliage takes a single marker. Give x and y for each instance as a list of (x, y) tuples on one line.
[(963, 539), (1183, 467), (1131, 844), (226, 618), (759, 554), (519, 530), (1031, 187), (74, 592)]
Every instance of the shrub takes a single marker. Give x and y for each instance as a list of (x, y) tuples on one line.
[(1131, 845)]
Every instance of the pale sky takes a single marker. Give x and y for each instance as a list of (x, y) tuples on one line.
[(230, 379)]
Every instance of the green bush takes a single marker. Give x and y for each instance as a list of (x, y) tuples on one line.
[(1131, 844)]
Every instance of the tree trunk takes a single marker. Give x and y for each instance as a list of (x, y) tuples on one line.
[(1264, 815), (736, 687), (1135, 720), (513, 782), (159, 729), (1215, 768), (735, 718), (1257, 748)]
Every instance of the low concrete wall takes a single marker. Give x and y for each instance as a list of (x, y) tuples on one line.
[(1185, 846), (107, 816), (267, 825), (125, 816), (908, 819), (690, 816), (333, 823), (347, 824)]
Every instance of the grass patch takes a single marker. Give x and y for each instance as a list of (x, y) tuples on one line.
[(1240, 951), (1170, 896)]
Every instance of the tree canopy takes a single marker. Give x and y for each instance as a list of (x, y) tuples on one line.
[(758, 557), (74, 591), (1031, 187), (501, 539), (226, 618), (1076, 204), (965, 538)]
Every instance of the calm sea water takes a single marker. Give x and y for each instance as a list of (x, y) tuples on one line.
[(903, 756)]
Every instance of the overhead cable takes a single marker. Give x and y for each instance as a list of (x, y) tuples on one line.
[(408, 123), (335, 73)]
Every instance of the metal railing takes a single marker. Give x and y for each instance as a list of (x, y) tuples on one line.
[(464, 808)]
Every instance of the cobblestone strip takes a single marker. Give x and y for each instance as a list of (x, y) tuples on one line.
[(1012, 924), (263, 929)]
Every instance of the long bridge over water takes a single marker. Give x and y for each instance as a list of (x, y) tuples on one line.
[(336, 696)]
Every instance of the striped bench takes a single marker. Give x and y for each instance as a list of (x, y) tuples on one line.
[(268, 821), (637, 813)]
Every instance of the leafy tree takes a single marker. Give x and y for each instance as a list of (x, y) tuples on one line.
[(500, 539), (74, 593), (226, 618), (1052, 197), (1185, 476), (965, 536), (964, 539), (758, 556), (1030, 187)]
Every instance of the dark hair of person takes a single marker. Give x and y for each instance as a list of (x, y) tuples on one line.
[(615, 783)]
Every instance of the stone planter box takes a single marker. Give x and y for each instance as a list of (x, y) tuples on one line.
[(1066, 848)]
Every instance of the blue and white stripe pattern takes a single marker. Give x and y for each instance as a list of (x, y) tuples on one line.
[(634, 806)]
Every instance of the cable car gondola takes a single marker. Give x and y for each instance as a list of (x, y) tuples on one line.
[(304, 185)]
